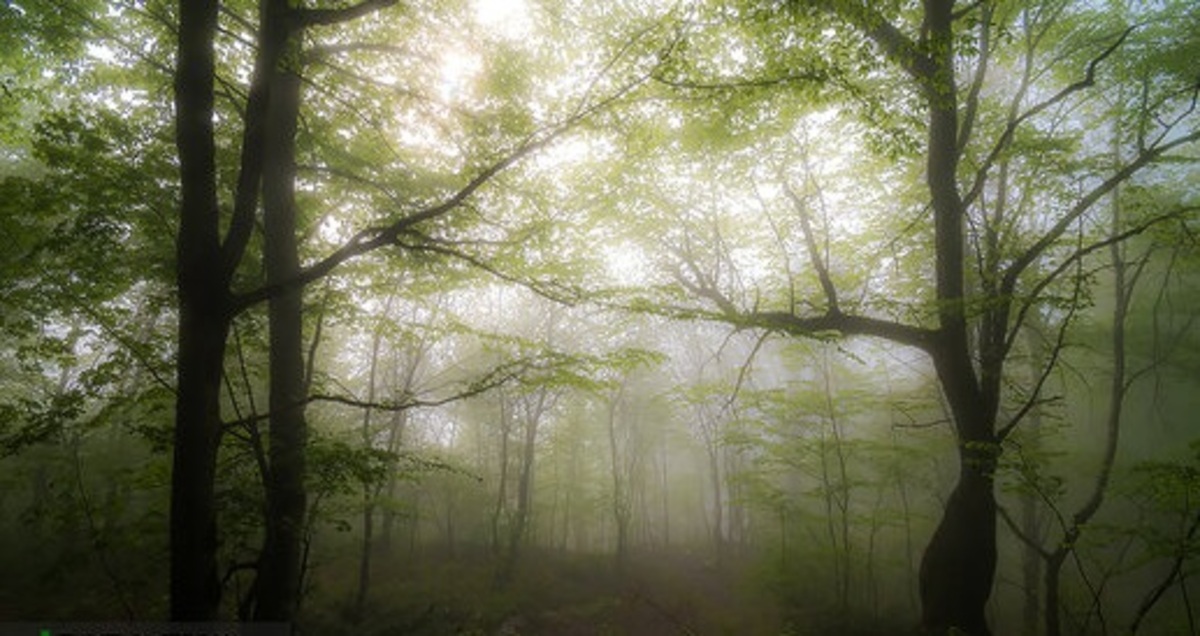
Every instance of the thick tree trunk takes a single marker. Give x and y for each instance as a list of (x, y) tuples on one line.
[(279, 565), (195, 590), (959, 563), (203, 325)]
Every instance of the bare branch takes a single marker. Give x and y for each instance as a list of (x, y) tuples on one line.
[(1029, 541), (495, 378), (814, 76), (1035, 395), (832, 322), (1170, 578), (1034, 294), (1059, 344), (744, 371), (550, 290), (370, 239), (373, 238), (921, 425), (1006, 137), (839, 324), (810, 242), (1143, 159), (328, 17), (971, 109), (700, 283)]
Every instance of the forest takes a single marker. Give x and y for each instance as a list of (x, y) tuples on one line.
[(647, 317)]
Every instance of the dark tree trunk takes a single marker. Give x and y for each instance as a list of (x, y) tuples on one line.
[(203, 325), (714, 478), (195, 590), (1124, 283), (1053, 576), (279, 565), (959, 563), (388, 524), (532, 415), (1031, 565)]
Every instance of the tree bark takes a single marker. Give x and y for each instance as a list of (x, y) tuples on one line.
[(959, 562), (195, 591), (279, 564)]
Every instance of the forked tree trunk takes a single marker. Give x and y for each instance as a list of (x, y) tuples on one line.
[(959, 563), (516, 535)]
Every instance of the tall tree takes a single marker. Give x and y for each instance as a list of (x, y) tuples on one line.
[(278, 578), (975, 255), (203, 275), (208, 261)]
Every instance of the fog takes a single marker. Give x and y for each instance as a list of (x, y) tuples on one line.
[(546, 317)]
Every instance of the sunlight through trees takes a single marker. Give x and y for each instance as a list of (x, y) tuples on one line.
[(556, 317)]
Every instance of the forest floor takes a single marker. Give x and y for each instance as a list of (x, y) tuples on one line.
[(652, 594)]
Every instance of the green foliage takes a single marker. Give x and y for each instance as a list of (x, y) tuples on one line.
[(678, 185), (1170, 486), (337, 467)]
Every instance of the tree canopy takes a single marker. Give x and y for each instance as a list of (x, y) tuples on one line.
[(885, 309)]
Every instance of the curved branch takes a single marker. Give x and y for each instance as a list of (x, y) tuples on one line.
[(817, 76), (897, 46), (1006, 137), (373, 238), (971, 110), (810, 242), (1029, 541), (837, 323), (328, 17), (1032, 297), (495, 378), (1144, 158), (1169, 579)]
